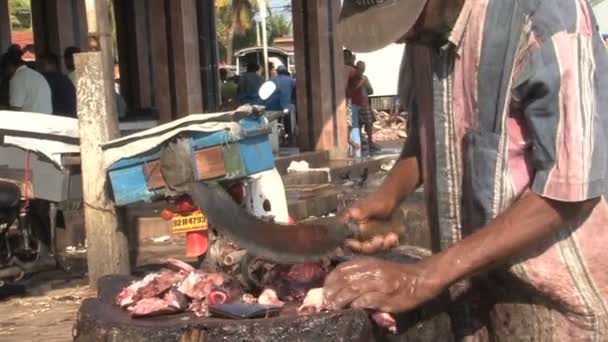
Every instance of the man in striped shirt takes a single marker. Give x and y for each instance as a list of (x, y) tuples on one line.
[(509, 132)]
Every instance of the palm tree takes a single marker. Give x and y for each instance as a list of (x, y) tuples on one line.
[(235, 16)]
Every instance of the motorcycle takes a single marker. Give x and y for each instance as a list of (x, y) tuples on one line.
[(187, 219), (26, 237)]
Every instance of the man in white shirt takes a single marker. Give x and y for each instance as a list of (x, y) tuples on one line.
[(29, 90)]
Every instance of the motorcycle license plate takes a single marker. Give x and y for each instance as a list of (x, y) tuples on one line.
[(181, 224)]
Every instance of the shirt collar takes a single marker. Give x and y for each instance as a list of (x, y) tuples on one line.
[(455, 37)]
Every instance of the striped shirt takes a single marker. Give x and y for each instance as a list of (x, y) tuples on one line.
[(517, 101)]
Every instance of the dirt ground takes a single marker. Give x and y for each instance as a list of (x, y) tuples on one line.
[(48, 310)]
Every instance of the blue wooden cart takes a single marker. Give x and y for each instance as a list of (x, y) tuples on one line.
[(158, 162)]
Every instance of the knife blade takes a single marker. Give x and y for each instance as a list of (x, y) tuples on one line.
[(276, 242)]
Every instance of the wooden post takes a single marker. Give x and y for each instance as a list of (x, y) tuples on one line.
[(5, 26), (107, 244), (320, 86), (132, 28), (210, 77), (186, 62), (52, 32), (160, 60)]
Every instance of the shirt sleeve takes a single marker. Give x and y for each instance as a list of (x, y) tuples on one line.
[(411, 147), (17, 90), (560, 91)]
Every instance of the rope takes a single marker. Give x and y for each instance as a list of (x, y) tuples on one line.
[(27, 176), (91, 206)]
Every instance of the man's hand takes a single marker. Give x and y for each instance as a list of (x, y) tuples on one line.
[(376, 206), (403, 179), (375, 284)]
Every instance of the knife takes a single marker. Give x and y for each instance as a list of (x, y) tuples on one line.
[(297, 243)]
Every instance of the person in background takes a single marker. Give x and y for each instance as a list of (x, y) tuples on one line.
[(5, 82), (4, 92), (272, 70), (68, 60), (63, 93), (281, 100), (93, 43), (366, 114), (395, 108), (249, 84), (353, 88), (29, 91), (29, 56), (228, 90)]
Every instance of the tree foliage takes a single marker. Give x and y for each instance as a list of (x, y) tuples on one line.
[(277, 26), (235, 26), (21, 14), (233, 17)]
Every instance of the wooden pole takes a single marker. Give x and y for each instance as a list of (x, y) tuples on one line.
[(107, 243), (320, 88), (5, 26), (262, 4)]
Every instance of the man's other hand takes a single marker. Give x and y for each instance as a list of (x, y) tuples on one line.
[(374, 284)]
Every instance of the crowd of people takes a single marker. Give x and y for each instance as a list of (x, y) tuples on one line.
[(41, 86), (244, 89)]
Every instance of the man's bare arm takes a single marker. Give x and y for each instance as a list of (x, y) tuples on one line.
[(404, 178), (529, 222)]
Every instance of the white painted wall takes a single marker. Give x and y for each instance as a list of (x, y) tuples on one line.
[(601, 13), (382, 68)]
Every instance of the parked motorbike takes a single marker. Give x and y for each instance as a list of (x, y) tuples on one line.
[(188, 219), (26, 240)]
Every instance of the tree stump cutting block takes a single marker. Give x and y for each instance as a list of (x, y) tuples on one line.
[(100, 320)]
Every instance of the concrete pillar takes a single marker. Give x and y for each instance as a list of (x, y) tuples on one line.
[(5, 26), (321, 111)]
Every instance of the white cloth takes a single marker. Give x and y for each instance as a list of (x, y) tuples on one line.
[(49, 135), (141, 142), (30, 91)]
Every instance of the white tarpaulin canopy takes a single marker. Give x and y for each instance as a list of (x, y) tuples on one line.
[(141, 142), (49, 135)]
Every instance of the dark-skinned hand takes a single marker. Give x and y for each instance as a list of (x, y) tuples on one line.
[(375, 206), (374, 284)]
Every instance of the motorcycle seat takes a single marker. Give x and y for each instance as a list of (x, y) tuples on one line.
[(10, 194)]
